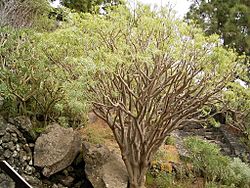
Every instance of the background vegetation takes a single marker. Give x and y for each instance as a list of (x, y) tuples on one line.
[(51, 57)]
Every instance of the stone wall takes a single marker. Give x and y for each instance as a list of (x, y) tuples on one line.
[(18, 151)]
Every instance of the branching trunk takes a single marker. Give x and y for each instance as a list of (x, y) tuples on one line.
[(137, 178), (144, 100)]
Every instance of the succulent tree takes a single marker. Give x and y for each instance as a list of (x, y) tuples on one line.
[(163, 74)]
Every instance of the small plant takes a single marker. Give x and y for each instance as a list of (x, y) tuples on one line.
[(170, 140), (242, 172), (149, 179), (216, 185), (164, 180), (163, 159), (93, 136)]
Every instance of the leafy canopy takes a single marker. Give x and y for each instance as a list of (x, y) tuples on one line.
[(229, 19)]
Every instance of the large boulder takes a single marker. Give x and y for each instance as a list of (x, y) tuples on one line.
[(103, 168), (56, 149)]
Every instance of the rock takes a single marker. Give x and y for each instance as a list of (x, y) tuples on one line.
[(103, 168), (56, 149), (6, 181), (1, 150), (7, 154), (33, 181), (30, 162), (11, 146), (15, 154), (18, 147), (178, 136), (31, 145), (6, 138), (92, 117), (67, 181), (2, 125), (26, 148), (24, 124), (54, 186), (1, 102), (29, 170), (1, 132), (78, 184), (5, 145)]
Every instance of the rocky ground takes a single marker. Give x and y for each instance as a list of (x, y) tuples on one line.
[(59, 157), (88, 157), (18, 148)]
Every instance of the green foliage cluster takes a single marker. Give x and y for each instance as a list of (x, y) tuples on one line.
[(229, 19), (89, 6), (210, 163), (164, 180), (237, 98), (170, 140), (205, 160), (44, 74)]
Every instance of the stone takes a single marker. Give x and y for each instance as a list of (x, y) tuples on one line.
[(1, 150), (5, 145), (1, 102), (22, 156), (11, 146), (6, 138), (178, 136), (18, 147), (31, 145), (92, 117), (7, 154), (14, 135), (67, 181), (30, 162), (2, 132), (54, 186), (103, 168), (11, 160), (56, 149), (78, 184), (6, 181), (15, 140), (2, 125), (33, 181), (29, 170), (27, 148), (61, 186), (24, 125), (15, 154)]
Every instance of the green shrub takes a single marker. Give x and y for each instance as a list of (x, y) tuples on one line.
[(164, 180), (209, 162), (242, 172), (206, 158), (237, 98), (216, 185), (170, 140), (44, 74)]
